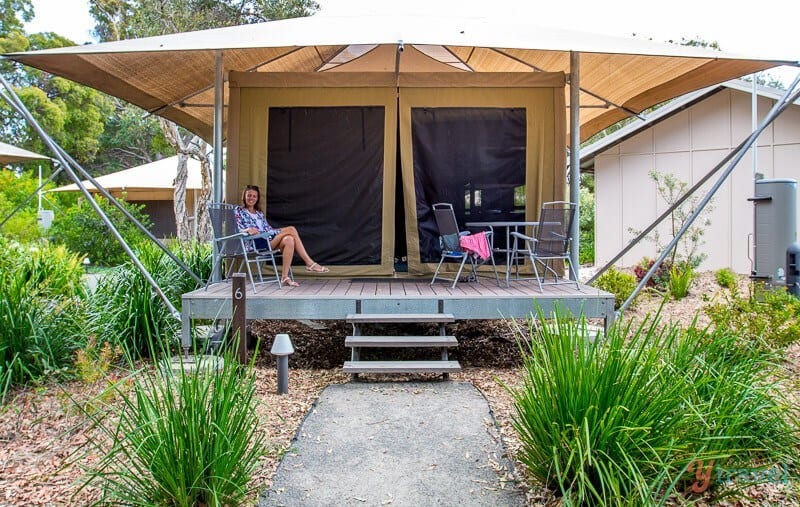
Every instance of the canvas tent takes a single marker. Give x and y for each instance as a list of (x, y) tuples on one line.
[(151, 185), (317, 107), (11, 154)]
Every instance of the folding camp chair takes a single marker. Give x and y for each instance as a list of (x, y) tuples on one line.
[(552, 242), (450, 240), (238, 247)]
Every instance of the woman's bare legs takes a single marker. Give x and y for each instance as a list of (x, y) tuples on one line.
[(288, 241)]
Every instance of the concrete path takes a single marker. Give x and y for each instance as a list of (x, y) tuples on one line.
[(399, 444)]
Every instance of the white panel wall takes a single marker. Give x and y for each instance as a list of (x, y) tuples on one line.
[(688, 145)]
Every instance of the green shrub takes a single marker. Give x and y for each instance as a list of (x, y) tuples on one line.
[(619, 283), (726, 278), (42, 311), (180, 439), (624, 417), (14, 189), (768, 314), (680, 279), (586, 228), (125, 308), (81, 229)]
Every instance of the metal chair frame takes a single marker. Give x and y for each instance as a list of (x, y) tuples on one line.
[(552, 243), (449, 235), (233, 245)]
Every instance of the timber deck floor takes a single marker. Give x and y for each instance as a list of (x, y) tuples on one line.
[(326, 298)]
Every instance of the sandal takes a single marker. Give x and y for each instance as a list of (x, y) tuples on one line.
[(289, 282), (318, 269)]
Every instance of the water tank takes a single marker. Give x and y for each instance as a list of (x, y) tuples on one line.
[(775, 227)]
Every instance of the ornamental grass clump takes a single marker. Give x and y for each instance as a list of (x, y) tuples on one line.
[(126, 309), (620, 419), (41, 312), (179, 438)]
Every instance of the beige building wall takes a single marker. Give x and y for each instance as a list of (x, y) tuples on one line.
[(688, 145)]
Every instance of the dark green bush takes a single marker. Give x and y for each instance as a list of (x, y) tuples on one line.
[(82, 230), (726, 278), (768, 314), (126, 310), (619, 283), (42, 311), (617, 421), (586, 235)]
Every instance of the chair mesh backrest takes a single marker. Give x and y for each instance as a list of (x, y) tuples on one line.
[(223, 223), (555, 222), (447, 225)]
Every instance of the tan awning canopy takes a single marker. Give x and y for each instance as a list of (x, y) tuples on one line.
[(173, 75), (11, 154)]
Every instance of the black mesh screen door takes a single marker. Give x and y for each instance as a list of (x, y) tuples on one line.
[(325, 177), (473, 158)]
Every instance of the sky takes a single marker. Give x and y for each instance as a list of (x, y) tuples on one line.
[(751, 32)]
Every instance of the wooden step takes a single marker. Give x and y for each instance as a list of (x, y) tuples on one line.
[(401, 366), (400, 341), (391, 318)]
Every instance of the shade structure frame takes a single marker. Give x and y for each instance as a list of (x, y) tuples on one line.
[(620, 76)]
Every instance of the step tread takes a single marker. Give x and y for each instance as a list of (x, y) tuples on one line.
[(401, 366), (400, 341), (399, 317)]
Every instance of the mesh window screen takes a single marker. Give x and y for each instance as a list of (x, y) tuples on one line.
[(471, 157), (325, 177)]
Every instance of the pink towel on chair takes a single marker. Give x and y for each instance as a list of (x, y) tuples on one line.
[(477, 244)]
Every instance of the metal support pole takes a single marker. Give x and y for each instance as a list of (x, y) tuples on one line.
[(776, 110), (782, 104), (14, 100), (216, 180), (27, 199), (575, 157), (219, 111)]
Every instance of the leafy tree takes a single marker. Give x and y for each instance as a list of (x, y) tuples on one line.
[(124, 19), (131, 138), (13, 15), (74, 115), (687, 250), (81, 229)]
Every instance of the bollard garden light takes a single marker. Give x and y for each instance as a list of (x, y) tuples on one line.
[(282, 348)]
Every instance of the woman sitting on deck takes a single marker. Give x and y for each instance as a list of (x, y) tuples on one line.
[(250, 219)]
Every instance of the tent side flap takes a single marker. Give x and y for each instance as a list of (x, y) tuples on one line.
[(494, 152), (324, 157)]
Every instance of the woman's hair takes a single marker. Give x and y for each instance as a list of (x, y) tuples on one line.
[(257, 205)]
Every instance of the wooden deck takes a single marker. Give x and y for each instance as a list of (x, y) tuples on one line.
[(333, 299)]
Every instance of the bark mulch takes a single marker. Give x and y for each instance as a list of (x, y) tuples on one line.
[(40, 428)]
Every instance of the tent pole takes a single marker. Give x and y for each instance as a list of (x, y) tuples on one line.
[(574, 155), (17, 104), (216, 180), (219, 101), (788, 98), (777, 109)]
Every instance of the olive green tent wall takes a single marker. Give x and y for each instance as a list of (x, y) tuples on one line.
[(540, 94)]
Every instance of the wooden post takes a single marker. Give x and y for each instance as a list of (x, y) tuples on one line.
[(239, 314)]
